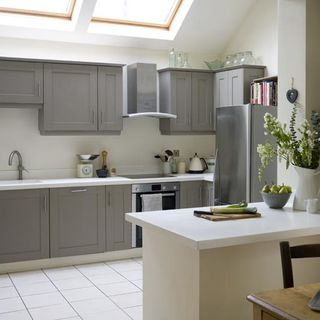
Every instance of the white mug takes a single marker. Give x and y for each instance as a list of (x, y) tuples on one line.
[(312, 205)]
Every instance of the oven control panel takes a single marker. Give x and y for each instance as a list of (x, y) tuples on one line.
[(155, 187)]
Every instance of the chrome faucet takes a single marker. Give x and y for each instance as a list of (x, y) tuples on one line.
[(21, 168)]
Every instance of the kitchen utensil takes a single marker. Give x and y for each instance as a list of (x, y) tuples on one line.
[(210, 163), (103, 172), (88, 156), (197, 165), (166, 168), (85, 167), (181, 167)]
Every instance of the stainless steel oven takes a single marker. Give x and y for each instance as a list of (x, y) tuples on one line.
[(170, 192)]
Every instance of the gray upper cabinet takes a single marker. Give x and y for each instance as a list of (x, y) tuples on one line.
[(232, 87), (21, 84), (70, 98), (191, 194), (189, 95), (77, 221), (24, 225), (118, 230), (110, 98)]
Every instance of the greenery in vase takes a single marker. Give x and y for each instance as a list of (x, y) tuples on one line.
[(299, 147)]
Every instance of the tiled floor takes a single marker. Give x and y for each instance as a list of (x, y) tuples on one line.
[(108, 291)]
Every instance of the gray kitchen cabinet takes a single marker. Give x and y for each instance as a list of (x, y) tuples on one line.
[(110, 99), (70, 98), (118, 230), (189, 95), (208, 194), (232, 87), (77, 221), (21, 84), (191, 194), (24, 225)]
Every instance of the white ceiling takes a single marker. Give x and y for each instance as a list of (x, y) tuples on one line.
[(207, 28)]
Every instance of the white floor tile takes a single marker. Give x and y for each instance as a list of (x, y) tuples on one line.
[(73, 283), (60, 311), (8, 292), (5, 281), (118, 288), (62, 273), (17, 315), (136, 313), (107, 278), (82, 294), (132, 275), (43, 300), (28, 277), (128, 300), (124, 265), (93, 306), (11, 304), (27, 289), (108, 315), (94, 269), (138, 283)]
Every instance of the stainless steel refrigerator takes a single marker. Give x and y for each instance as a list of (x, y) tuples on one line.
[(239, 129)]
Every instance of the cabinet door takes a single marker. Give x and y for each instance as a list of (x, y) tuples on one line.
[(24, 225), (202, 101), (180, 97), (110, 98), (77, 220), (21, 82), (70, 98), (208, 194), (221, 89), (191, 194), (236, 87), (118, 230)]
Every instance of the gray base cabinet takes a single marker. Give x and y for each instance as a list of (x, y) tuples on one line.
[(118, 230), (191, 194), (77, 221), (189, 95), (21, 83), (24, 225), (208, 194)]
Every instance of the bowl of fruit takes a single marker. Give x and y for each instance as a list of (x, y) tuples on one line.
[(276, 196)]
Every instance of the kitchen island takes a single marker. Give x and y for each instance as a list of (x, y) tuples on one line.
[(195, 269)]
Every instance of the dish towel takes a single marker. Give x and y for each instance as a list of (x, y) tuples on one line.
[(151, 202)]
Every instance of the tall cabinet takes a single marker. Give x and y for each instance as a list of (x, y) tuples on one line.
[(232, 85), (189, 95)]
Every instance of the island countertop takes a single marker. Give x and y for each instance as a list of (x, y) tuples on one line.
[(198, 233)]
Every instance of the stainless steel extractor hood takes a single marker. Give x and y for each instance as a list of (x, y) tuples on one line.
[(142, 92)]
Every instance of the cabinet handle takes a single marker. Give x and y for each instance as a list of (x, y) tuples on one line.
[(109, 199), (100, 118), (210, 117), (39, 89), (92, 116), (45, 203), (189, 118), (200, 193), (79, 190)]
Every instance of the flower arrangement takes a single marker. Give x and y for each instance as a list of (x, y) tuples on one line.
[(299, 147)]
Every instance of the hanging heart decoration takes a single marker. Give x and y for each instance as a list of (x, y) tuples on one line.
[(292, 95)]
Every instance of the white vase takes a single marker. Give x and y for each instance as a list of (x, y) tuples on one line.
[(307, 187)]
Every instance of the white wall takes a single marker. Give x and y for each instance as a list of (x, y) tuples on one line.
[(259, 33), (55, 156)]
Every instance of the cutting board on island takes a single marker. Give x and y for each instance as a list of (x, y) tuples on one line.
[(225, 217)]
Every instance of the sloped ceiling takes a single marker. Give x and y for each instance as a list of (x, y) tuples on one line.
[(207, 28)]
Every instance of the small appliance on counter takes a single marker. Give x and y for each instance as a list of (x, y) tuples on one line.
[(197, 165), (103, 172), (210, 163), (85, 167)]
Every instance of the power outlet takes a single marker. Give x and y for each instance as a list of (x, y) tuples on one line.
[(176, 153)]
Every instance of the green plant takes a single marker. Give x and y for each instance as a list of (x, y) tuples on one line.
[(299, 147)]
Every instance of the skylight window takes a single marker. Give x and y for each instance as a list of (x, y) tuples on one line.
[(151, 13), (51, 8)]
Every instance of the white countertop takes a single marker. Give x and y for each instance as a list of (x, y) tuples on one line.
[(82, 182), (275, 224)]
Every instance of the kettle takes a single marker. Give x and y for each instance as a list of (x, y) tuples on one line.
[(197, 165)]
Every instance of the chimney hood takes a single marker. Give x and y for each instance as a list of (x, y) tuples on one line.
[(142, 92)]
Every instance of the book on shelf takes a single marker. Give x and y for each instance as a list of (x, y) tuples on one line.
[(264, 91)]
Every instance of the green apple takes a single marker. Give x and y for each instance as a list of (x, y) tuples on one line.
[(266, 188)]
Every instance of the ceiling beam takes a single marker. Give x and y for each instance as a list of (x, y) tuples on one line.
[(84, 15)]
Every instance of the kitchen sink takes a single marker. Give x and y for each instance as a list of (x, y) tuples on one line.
[(26, 181)]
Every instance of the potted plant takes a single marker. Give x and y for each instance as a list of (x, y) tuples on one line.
[(299, 147)]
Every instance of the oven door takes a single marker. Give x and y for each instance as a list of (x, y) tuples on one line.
[(170, 200)]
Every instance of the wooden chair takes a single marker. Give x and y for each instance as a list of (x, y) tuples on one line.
[(288, 253)]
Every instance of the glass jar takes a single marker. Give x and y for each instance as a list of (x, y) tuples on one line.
[(237, 59), (229, 60), (172, 58), (248, 58)]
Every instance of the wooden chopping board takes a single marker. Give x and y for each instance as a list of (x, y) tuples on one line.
[(229, 216)]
